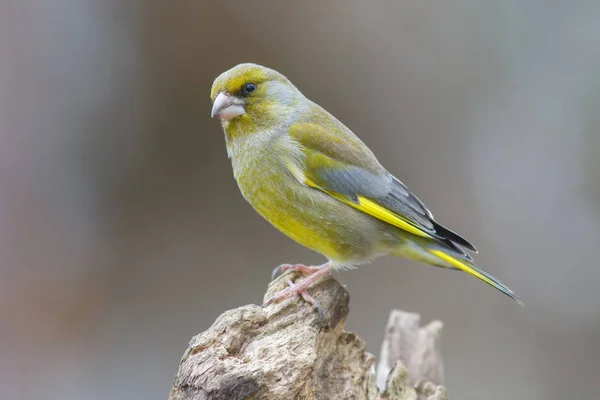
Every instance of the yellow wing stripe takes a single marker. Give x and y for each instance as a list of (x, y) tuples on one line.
[(382, 213), (370, 207)]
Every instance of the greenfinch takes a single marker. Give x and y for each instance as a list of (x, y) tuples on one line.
[(313, 179)]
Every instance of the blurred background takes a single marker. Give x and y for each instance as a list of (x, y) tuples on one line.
[(123, 233)]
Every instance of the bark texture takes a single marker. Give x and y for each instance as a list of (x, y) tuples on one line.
[(283, 351)]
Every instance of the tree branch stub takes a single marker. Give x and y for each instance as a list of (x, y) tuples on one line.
[(283, 351)]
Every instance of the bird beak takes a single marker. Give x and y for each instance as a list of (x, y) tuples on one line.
[(227, 107)]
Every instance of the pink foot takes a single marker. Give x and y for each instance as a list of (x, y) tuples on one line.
[(303, 269), (316, 274)]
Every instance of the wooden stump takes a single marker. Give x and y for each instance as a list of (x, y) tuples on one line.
[(284, 352)]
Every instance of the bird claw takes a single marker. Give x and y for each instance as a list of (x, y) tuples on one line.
[(298, 289), (315, 303), (303, 269), (280, 270), (314, 274)]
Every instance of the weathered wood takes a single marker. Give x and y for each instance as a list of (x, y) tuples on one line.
[(418, 348), (284, 352)]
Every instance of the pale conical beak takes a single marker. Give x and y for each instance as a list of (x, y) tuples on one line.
[(227, 107)]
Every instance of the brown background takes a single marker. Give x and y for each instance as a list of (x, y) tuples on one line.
[(122, 232)]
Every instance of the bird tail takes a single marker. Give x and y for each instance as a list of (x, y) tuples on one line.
[(470, 268)]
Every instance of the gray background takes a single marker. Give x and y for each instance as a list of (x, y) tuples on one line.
[(123, 234)]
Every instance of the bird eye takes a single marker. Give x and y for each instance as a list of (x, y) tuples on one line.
[(248, 88)]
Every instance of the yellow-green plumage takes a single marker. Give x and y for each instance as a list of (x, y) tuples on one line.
[(313, 179)]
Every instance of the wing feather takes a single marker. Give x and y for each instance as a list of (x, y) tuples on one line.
[(353, 176)]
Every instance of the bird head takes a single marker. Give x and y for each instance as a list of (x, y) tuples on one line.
[(251, 97)]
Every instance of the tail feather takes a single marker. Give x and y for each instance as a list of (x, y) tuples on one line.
[(478, 273), (447, 235)]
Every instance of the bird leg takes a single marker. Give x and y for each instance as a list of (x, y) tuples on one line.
[(315, 275), (303, 269)]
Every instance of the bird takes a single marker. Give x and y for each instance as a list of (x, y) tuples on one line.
[(312, 178)]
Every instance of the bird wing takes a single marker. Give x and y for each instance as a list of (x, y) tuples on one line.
[(344, 168)]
